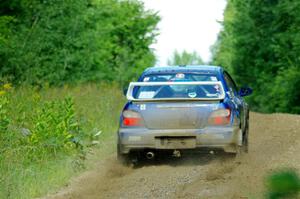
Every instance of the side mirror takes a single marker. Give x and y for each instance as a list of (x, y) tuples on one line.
[(245, 91), (125, 91)]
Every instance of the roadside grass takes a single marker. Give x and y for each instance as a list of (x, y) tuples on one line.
[(46, 134)]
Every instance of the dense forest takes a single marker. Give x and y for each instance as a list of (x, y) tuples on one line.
[(57, 42), (260, 46)]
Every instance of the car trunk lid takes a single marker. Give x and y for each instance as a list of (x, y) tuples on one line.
[(176, 115)]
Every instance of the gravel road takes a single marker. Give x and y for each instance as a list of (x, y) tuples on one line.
[(274, 143)]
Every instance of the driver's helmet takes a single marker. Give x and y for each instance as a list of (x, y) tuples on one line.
[(180, 77)]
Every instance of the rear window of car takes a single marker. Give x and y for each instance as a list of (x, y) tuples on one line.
[(209, 90), (179, 77)]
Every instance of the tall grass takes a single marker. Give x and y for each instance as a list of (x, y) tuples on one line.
[(46, 133)]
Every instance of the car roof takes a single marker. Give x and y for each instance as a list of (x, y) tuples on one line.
[(185, 68)]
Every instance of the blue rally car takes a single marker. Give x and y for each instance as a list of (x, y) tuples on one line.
[(176, 108)]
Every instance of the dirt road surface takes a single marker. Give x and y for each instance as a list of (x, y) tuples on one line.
[(274, 144)]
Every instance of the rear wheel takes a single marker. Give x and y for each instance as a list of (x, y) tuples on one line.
[(246, 139), (245, 142), (122, 158), (129, 159)]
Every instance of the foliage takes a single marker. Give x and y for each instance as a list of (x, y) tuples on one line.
[(283, 184), (75, 41), (4, 29), (260, 46), (185, 58), (45, 134), (55, 128)]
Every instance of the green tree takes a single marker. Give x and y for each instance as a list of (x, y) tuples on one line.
[(185, 58), (77, 40), (260, 46)]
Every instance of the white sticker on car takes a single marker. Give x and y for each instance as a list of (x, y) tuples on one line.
[(212, 95), (146, 94), (213, 78), (217, 87), (143, 107), (192, 94), (180, 75), (146, 79)]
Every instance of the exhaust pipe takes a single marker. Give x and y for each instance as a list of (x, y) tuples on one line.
[(150, 155)]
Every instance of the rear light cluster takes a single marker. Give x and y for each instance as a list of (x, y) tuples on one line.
[(132, 118), (220, 117)]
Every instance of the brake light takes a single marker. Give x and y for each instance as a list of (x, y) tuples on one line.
[(132, 118), (220, 117)]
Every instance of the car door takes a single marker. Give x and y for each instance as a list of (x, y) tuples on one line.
[(237, 100)]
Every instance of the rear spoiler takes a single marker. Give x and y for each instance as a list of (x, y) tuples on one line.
[(133, 85)]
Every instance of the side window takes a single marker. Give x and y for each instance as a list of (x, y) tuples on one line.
[(231, 85)]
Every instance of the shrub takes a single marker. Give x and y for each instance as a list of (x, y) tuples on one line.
[(46, 133), (283, 184), (55, 129)]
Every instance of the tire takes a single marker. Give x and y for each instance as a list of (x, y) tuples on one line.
[(240, 150), (130, 159), (122, 158), (246, 137)]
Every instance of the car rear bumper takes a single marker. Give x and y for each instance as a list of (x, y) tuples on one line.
[(226, 138)]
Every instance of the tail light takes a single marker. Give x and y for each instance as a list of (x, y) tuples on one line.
[(132, 118), (220, 117)]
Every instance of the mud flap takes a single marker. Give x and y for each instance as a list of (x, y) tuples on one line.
[(240, 138), (237, 145)]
